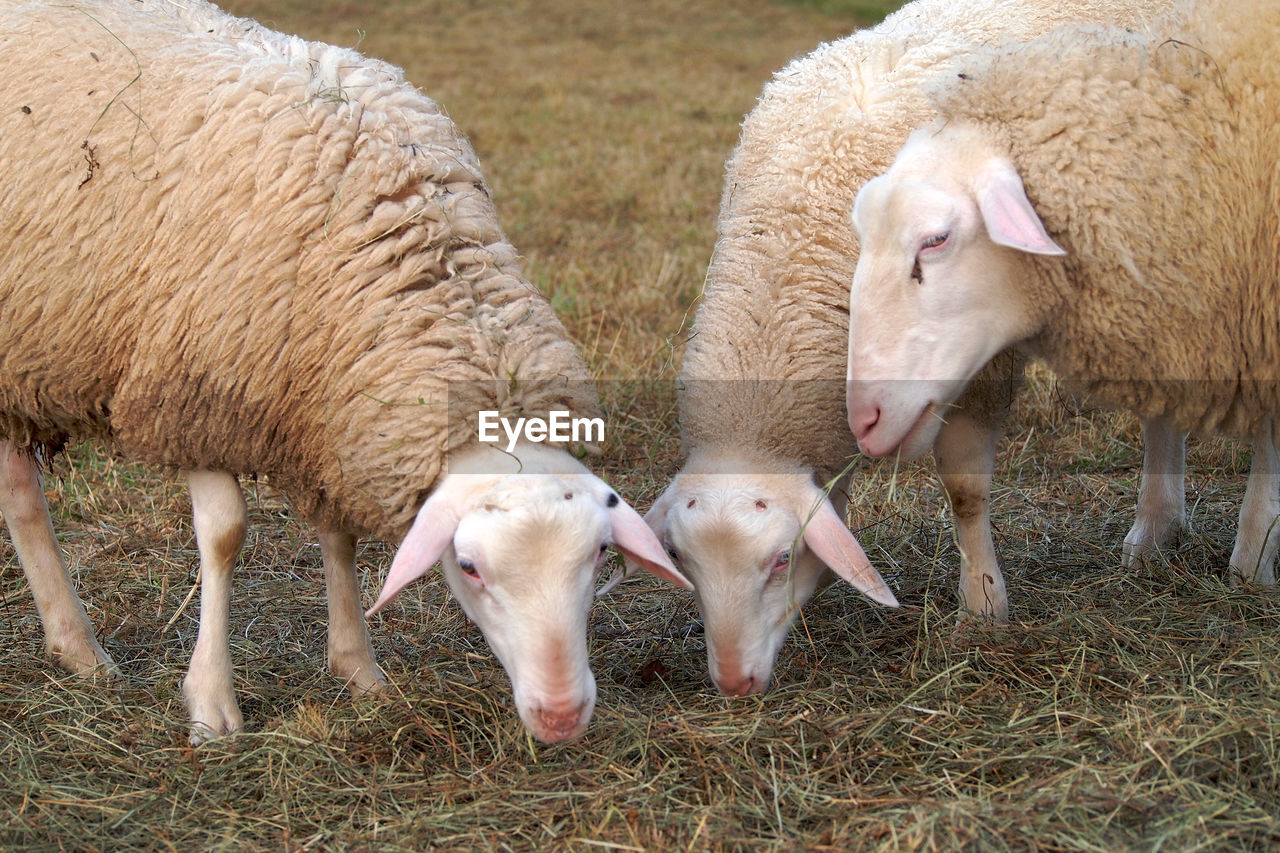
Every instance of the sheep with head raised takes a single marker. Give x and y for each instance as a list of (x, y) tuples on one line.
[(762, 386), (232, 251), (1106, 199)]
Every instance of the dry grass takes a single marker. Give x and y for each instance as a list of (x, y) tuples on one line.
[(1121, 710)]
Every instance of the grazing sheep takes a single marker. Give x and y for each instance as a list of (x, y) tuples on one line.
[(762, 378), (1149, 160), (231, 251)]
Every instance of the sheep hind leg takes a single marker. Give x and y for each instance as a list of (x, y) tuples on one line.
[(350, 653), (1162, 512), (220, 518), (68, 634), (965, 453), (1258, 536)]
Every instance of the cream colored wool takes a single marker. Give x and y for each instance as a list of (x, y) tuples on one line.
[(776, 300), (1152, 159), (762, 400), (228, 248)]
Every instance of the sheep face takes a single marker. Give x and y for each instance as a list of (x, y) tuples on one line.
[(523, 566), (756, 548), (521, 538), (936, 291)]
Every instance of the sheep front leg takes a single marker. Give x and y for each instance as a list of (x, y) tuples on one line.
[(220, 518), (1162, 500), (1258, 536), (68, 634), (965, 453), (350, 653)]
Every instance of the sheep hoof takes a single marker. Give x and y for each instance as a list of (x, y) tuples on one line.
[(983, 597), (201, 733), (1147, 542), (212, 709), (84, 657), (357, 670), (213, 725), (1261, 577), (361, 683), (995, 615)]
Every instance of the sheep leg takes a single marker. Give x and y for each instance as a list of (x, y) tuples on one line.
[(68, 634), (1258, 536), (220, 519), (350, 653), (1162, 497), (965, 453)]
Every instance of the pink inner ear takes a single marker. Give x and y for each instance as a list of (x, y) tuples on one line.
[(1007, 212), (827, 536), (431, 533), (634, 538)]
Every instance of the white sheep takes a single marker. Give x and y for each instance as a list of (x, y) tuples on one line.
[(1147, 158), (762, 378), (231, 251)]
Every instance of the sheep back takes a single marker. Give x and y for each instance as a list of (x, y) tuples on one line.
[(773, 320), (1152, 157), (230, 248)]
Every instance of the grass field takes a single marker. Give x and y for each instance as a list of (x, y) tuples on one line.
[(1119, 710)]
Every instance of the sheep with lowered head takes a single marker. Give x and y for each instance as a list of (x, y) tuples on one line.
[(232, 251), (762, 380), (1105, 199)]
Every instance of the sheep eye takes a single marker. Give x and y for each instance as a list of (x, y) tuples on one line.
[(936, 240), (917, 275), (468, 568), (782, 562), (671, 552)]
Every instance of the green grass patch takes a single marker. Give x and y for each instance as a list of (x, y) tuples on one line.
[(868, 11)]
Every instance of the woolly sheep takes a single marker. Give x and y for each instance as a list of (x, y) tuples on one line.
[(231, 251), (761, 382), (1148, 159)]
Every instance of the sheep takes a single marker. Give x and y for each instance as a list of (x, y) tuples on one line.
[(1104, 199), (229, 251), (761, 382)]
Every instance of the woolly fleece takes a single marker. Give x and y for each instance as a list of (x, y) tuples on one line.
[(229, 248), (1152, 158), (775, 305)]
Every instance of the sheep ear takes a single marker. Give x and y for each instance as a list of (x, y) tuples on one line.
[(431, 533), (858, 214), (826, 535), (1007, 212), (656, 517), (654, 520), (640, 546)]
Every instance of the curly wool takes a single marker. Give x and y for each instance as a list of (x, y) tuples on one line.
[(1151, 156), (229, 248), (776, 304)]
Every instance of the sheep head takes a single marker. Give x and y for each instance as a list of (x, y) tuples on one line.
[(756, 547), (936, 294), (521, 538)]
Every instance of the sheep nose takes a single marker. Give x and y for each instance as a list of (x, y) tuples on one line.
[(559, 723), (863, 419), (740, 685), (863, 405)]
